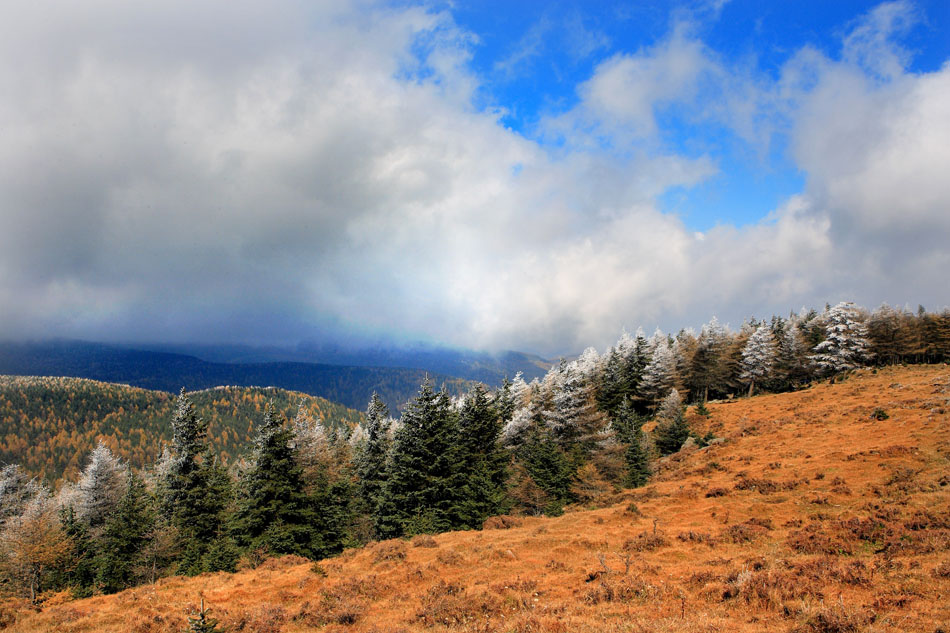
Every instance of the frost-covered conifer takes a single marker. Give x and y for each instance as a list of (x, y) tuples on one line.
[(659, 375), (16, 490), (671, 406), (572, 416), (100, 486), (846, 340), (514, 430), (758, 356)]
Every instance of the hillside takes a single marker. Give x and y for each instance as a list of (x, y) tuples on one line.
[(49, 425), (813, 515), (485, 367), (348, 385)]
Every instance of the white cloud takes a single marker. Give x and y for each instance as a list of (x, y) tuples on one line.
[(234, 171)]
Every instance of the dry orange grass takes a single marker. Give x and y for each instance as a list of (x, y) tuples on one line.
[(811, 517)]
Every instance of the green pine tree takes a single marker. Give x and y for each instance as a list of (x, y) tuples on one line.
[(629, 427), (422, 483), (273, 510), (483, 462), (80, 575), (124, 538), (670, 434), (371, 455), (202, 623), (195, 490), (548, 467)]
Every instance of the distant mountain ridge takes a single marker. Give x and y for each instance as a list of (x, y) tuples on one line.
[(351, 386), (485, 367)]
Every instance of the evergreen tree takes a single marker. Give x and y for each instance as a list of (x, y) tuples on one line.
[(758, 357), (637, 460), (483, 462), (846, 343), (372, 453), (573, 419), (659, 376), (16, 491), (202, 623), (421, 491), (100, 486), (80, 575), (672, 429), (614, 383), (124, 537), (791, 356), (671, 407), (548, 467), (273, 511), (629, 426), (194, 489)]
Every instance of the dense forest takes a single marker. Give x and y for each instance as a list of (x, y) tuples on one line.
[(162, 371), (49, 425), (588, 428)]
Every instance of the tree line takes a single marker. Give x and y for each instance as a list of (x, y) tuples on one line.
[(448, 462)]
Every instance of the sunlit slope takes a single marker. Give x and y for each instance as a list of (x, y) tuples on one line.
[(813, 515), (49, 425)]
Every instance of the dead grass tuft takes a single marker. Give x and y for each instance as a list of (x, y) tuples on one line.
[(502, 522), (393, 550), (646, 542), (423, 540), (449, 604), (835, 619)]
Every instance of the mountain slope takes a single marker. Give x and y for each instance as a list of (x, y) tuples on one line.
[(49, 425), (812, 516), (350, 386), (468, 364)]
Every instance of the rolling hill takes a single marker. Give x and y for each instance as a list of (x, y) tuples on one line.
[(821, 511), (49, 425), (163, 371)]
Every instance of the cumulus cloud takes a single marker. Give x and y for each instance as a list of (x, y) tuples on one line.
[(235, 171)]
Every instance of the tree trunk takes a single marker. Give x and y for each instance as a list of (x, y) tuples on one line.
[(751, 388)]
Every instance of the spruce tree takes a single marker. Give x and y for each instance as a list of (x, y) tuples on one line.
[(101, 485), (613, 383), (422, 490), (548, 466), (671, 430), (194, 490), (758, 357), (273, 511), (659, 375), (371, 455), (629, 426), (483, 463), (124, 537), (80, 576), (846, 340)]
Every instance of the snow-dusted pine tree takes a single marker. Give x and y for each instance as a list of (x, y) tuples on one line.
[(16, 490), (708, 371), (758, 356), (659, 375), (846, 340), (100, 487), (573, 416), (671, 406)]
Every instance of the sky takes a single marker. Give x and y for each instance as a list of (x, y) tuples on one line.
[(491, 175)]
